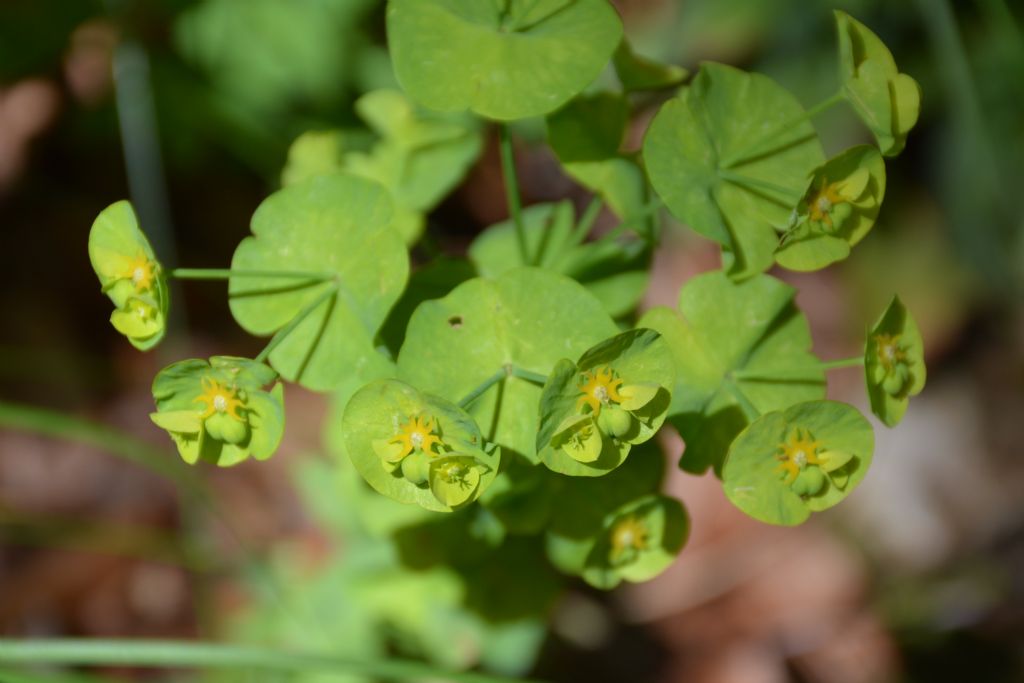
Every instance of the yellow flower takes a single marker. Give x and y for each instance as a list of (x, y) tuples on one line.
[(890, 353), (799, 451), (416, 434), (628, 534), (219, 398), (599, 387), (141, 271)]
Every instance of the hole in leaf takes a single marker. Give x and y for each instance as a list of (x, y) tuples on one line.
[(455, 321)]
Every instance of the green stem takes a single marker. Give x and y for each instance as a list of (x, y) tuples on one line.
[(784, 194), (515, 207), (283, 333), (771, 141), (56, 424), (790, 373), (635, 220), (585, 224), (484, 386), (527, 375), (227, 273), (179, 654), (749, 409)]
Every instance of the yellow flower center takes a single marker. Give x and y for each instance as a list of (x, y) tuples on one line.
[(890, 353), (628, 534), (599, 387), (824, 201), (417, 435), (219, 398), (796, 453), (141, 272)]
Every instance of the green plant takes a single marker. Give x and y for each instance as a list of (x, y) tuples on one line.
[(514, 396)]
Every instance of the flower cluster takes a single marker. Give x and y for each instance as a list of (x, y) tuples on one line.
[(217, 411)]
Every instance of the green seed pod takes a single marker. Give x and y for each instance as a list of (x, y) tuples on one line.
[(809, 482), (225, 428), (615, 421), (416, 468)]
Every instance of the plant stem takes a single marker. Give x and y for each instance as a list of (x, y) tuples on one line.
[(226, 273), (749, 409), (766, 143), (842, 363), (52, 423), (283, 333), (585, 224), (484, 386), (508, 171), (527, 375), (177, 654), (784, 194)]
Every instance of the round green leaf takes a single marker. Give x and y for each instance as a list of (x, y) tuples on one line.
[(315, 152), (894, 366), (503, 60), (754, 476), (706, 157), (335, 224), (838, 210), (887, 101), (641, 360), (130, 275), (375, 414), (527, 318), (729, 341)]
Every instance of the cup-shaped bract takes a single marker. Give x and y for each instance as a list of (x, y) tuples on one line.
[(218, 411), (130, 275), (638, 541), (507, 60), (790, 463), (838, 210), (615, 396), (894, 368), (887, 101), (417, 448)]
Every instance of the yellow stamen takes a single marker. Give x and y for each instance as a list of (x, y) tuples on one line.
[(628, 534), (823, 201), (141, 271), (417, 434), (890, 353), (599, 387), (796, 453), (219, 398)]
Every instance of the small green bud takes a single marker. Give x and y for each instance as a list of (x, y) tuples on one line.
[(416, 468), (615, 421), (809, 482)]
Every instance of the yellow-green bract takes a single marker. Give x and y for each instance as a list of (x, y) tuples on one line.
[(130, 275), (837, 211), (787, 464), (417, 448), (888, 101), (894, 366), (592, 411), (217, 410)]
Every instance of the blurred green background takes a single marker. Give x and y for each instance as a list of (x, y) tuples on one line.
[(188, 108)]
